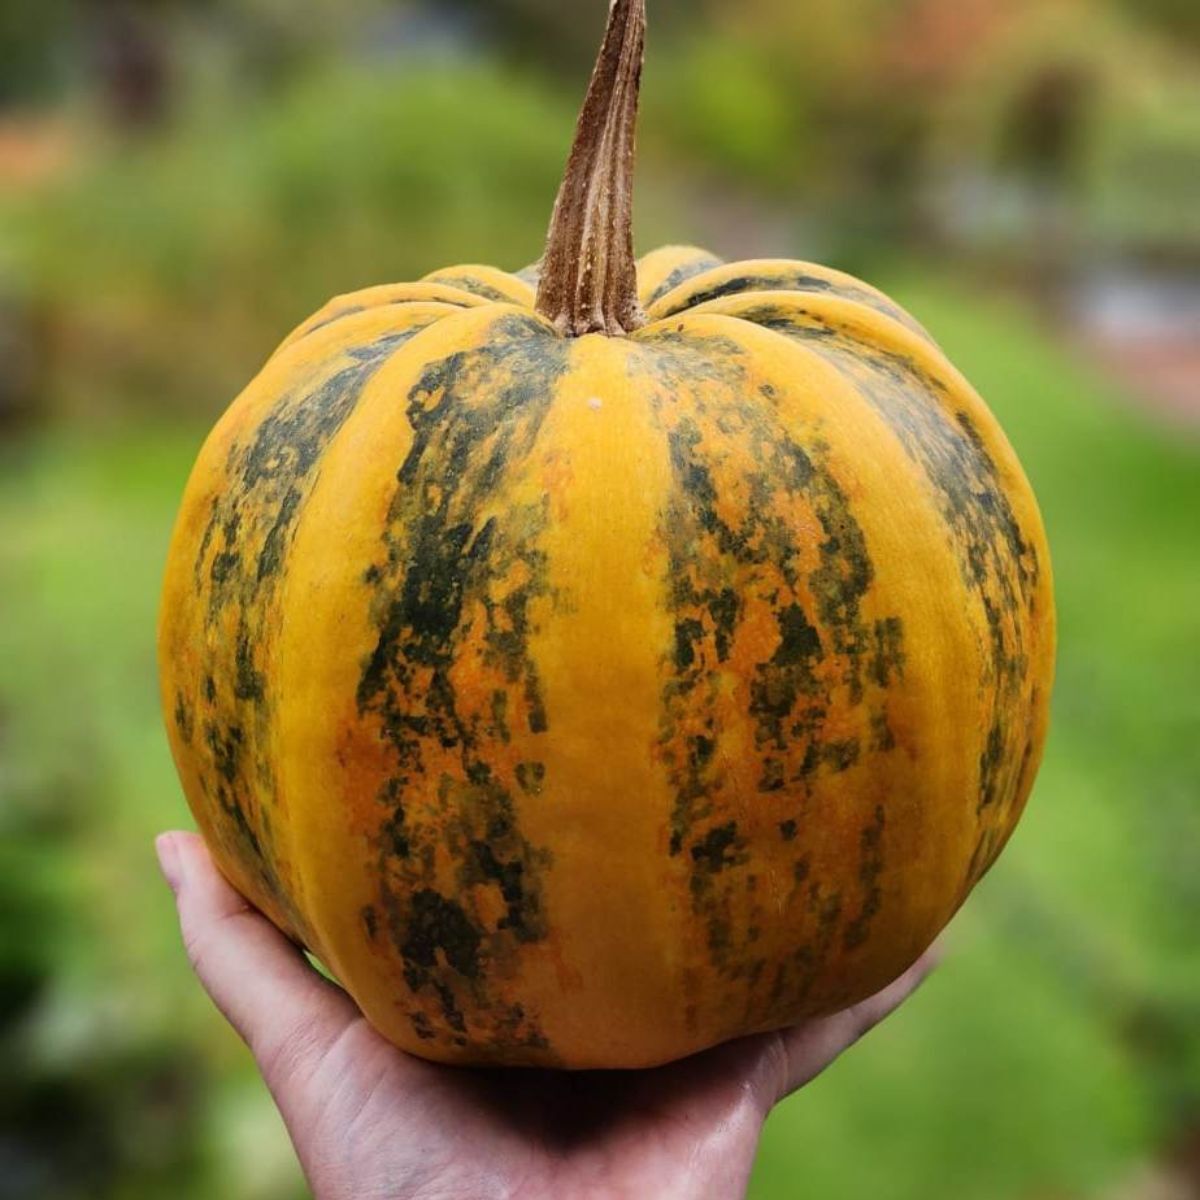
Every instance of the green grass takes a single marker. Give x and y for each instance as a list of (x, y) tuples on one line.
[(1057, 1047)]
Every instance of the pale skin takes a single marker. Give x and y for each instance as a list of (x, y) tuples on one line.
[(371, 1123)]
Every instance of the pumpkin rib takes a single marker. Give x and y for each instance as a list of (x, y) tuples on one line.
[(262, 469), (383, 296), (844, 332), (662, 271), (605, 465), (381, 319), (815, 407), (779, 275), (1003, 556), (378, 395), (486, 282), (384, 689), (825, 318)]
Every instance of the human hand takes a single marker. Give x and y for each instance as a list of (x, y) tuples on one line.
[(370, 1122)]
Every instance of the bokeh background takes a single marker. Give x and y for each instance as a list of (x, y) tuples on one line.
[(182, 182)]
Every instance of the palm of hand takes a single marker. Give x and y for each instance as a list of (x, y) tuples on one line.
[(372, 1123)]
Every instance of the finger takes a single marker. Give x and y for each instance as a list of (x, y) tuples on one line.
[(809, 1048), (286, 1013)]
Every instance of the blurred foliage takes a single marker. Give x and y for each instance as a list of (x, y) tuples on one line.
[(526, 28), (1024, 131), (175, 264), (1081, 110), (202, 175), (31, 37), (710, 102), (1176, 18)]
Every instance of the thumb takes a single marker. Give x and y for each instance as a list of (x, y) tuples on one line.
[(285, 1011)]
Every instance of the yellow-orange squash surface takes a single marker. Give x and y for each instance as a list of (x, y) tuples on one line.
[(589, 701)]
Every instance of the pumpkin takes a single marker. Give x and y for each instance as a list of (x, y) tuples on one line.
[(593, 665)]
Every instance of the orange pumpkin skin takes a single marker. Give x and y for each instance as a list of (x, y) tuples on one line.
[(588, 702)]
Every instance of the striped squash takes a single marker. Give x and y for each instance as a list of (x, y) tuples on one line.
[(589, 675)]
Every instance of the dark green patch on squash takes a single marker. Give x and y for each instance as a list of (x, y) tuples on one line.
[(476, 415)]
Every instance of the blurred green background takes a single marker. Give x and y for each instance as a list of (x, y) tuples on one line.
[(182, 182)]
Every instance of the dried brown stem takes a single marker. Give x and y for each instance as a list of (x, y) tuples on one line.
[(589, 274)]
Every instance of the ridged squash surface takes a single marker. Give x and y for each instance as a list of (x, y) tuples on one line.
[(588, 701)]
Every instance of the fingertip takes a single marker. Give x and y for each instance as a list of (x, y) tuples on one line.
[(193, 852), (183, 856), (166, 847)]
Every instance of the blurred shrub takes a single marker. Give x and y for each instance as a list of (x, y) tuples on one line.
[(560, 37), (1072, 129), (1146, 165), (997, 125), (714, 101), (1179, 18), (169, 267), (31, 34)]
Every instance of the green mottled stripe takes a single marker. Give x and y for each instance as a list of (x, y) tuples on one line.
[(791, 278), (352, 310), (270, 473), (999, 567), (684, 272), (473, 284), (447, 577), (830, 671)]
